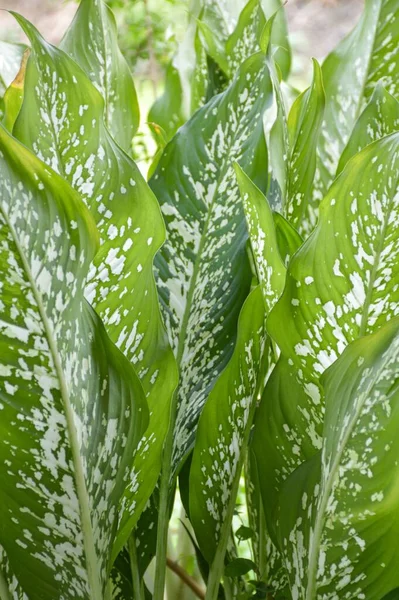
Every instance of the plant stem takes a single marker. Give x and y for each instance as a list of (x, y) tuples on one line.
[(228, 590), (217, 567), (163, 512), (134, 567), (184, 576)]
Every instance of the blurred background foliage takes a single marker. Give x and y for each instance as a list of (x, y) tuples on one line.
[(149, 30)]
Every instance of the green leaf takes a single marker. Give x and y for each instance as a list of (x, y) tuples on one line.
[(245, 533), (121, 577), (223, 431), (245, 39), (14, 95), (213, 35), (337, 517), (9, 585), (239, 566), (350, 73), (262, 235), (10, 61), (265, 554), (304, 125), (92, 41), (394, 595), (72, 138), (379, 118), (186, 83), (72, 409), (340, 285), (279, 37), (278, 141), (288, 239), (203, 273), (167, 110)]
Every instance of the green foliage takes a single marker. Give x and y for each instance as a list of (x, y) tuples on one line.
[(233, 320)]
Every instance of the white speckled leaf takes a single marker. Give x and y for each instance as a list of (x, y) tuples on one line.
[(91, 40), (279, 39), (276, 130), (10, 588), (245, 39), (262, 235), (304, 125), (203, 272), (379, 118), (72, 409), (368, 55), (233, 28), (70, 135), (340, 285), (223, 429), (337, 518)]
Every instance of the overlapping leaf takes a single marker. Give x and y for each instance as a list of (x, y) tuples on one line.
[(262, 234), (368, 55), (70, 136), (72, 408), (337, 520), (223, 430), (304, 126), (203, 273), (379, 118), (10, 61), (14, 95), (340, 285), (91, 40), (220, 37)]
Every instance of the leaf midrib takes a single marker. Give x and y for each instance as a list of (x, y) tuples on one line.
[(320, 519), (81, 490), (197, 263), (362, 332)]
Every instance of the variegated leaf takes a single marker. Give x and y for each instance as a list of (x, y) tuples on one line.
[(350, 73), (245, 39), (72, 408), (91, 40), (71, 137), (203, 273), (261, 229), (223, 431), (279, 38), (340, 286), (337, 515), (304, 125), (379, 118)]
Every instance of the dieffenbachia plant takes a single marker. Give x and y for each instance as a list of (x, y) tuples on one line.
[(234, 318), (220, 36)]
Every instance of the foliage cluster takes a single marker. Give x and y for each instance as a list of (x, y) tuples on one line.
[(238, 313)]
